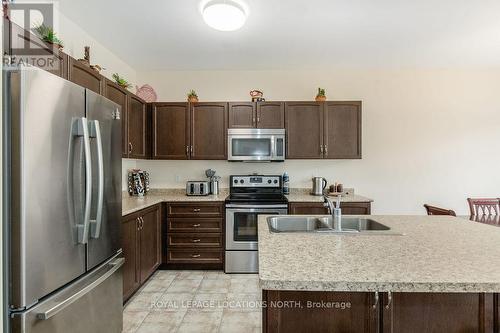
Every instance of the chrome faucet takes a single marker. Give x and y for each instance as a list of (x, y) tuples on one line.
[(335, 211)]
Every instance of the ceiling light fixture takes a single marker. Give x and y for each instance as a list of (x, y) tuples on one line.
[(224, 15)]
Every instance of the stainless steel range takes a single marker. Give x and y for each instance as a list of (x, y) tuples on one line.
[(250, 196)]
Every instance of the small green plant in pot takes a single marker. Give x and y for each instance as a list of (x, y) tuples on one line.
[(192, 96), (48, 35), (121, 81), (321, 96)]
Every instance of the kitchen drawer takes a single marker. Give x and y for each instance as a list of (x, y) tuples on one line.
[(194, 225), (191, 240), (195, 209), (194, 256)]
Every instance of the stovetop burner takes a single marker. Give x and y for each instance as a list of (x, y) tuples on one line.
[(256, 189)]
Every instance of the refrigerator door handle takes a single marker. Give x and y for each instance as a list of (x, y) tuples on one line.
[(95, 225), (83, 229), (58, 307)]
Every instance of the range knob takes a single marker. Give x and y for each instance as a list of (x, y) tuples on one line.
[(276, 181), (269, 181), (241, 181), (236, 181)]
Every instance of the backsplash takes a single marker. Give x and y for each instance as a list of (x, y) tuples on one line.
[(174, 174)]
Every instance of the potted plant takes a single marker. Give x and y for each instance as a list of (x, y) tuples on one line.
[(321, 97), (121, 81), (192, 96), (48, 35)]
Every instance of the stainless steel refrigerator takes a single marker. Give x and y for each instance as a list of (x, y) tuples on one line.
[(62, 199)]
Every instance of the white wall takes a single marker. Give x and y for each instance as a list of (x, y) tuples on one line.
[(75, 38), (429, 136)]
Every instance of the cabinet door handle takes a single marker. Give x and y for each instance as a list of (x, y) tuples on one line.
[(196, 225), (130, 147), (138, 223), (196, 210), (187, 150), (376, 300), (195, 255), (197, 240), (326, 150), (142, 222), (191, 149), (389, 300), (321, 149)]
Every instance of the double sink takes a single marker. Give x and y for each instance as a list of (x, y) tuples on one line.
[(323, 224)]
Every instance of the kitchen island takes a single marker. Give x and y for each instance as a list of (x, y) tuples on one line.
[(441, 275)]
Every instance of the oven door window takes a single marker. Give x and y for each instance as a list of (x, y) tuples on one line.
[(245, 227), (251, 147)]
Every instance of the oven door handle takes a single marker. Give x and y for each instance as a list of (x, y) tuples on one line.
[(256, 207)]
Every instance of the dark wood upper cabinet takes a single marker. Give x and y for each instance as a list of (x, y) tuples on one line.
[(209, 131), (130, 227), (170, 131), (438, 312), (85, 76), (150, 243), (117, 94), (304, 130), (242, 115), (342, 128), (138, 128), (330, 130), (257, 115), (270, 115), (23, 46)]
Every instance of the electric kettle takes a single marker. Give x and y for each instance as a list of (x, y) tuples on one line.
[(318, 185)]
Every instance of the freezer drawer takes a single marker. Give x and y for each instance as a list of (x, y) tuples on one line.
[(91, 304)]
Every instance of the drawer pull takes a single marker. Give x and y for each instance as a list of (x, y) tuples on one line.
[(197, 240), (196, 210), (196, 255), (196, 225)]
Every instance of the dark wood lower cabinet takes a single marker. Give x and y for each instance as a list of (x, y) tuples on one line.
[(496, 305), (317, 208), (194, 235), (319, 311), (438, 312), (130, 226), (141, 244), (150, 243)]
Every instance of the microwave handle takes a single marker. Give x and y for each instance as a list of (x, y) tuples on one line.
[(274, 142)]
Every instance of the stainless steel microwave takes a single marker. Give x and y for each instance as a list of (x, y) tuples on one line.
[(256, 145)]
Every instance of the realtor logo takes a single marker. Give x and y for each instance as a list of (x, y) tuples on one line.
[(21, 44)]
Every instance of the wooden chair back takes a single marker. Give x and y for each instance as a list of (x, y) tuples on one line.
[(433, 210), (486, 206)]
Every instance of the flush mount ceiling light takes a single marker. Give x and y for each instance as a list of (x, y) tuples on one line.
[(224, 15)]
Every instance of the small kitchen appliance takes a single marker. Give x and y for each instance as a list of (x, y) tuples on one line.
[(318, 185), (214, 181), (255, 145), (197, 188)]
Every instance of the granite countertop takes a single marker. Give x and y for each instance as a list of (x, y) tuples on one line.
[(435, 254), (306, 197), (132, 204)]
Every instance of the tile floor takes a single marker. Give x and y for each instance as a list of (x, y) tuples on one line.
[(195, 301)]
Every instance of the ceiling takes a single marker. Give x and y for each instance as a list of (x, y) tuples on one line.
[(296, 34)]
